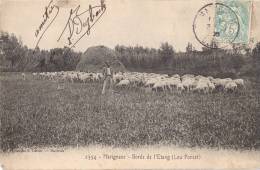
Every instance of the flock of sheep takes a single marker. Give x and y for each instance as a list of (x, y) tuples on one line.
[(152, 81)]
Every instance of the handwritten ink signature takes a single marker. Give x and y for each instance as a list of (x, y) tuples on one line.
[(46, 17), (80, 24)]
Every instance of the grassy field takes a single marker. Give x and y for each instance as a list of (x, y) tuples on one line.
[(40, 113)]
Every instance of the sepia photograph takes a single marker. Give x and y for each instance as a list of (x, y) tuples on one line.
[(129, 84)]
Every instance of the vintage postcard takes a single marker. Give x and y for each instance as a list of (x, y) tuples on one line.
[(129, 84)]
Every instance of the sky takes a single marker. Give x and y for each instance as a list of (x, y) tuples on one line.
[(125, 22)]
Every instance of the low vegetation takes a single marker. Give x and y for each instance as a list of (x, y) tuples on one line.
[(55, 113)]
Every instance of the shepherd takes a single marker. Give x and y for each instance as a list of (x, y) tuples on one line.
[(108, 77)]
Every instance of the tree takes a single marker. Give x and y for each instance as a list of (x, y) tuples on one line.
[(166, 52), (256, 51), (256, 61), (56, 58), (11, 48), (189, 47)]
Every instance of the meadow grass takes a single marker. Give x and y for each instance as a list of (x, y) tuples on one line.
[(40, 113)]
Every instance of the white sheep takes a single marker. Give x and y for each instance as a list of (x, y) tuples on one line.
[(180, 87), (172, 83), (84, 77), (187, 76), (240, 83), (159, 85), (176, 76), (23, 75), (210, 78), (188, 83), (118, 77), (123, 83), (211, 87), (220, 83), (199, 77), (202, 86), (230, 86), (134, 80), (150, 82)]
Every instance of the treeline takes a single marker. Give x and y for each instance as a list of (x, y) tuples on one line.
[(239, 61), (14, 56), (236, 62)]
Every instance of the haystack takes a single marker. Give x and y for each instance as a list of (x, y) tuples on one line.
[(93, 60)]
